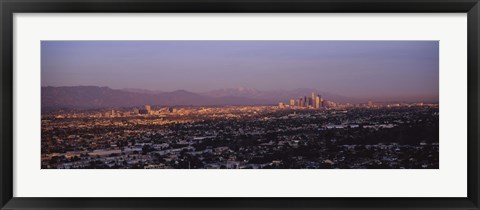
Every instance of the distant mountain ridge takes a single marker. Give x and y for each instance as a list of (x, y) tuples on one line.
[(89, 97), (137, 90)]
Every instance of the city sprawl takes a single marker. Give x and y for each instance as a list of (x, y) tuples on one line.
[(304, 133)]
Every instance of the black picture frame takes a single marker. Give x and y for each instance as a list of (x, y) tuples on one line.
[(9, 7)]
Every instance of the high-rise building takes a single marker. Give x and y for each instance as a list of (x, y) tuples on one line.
[(317, 102), (370, 103), (292, 102), (305, 101), (148, 108), (313, 99), (300, 102), (281, 105), (321, 101)]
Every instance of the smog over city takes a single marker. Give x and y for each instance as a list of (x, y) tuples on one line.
[(240, 104)]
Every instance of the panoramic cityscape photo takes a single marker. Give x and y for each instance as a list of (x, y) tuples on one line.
[(240, 104)]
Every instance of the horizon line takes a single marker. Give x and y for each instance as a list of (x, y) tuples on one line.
[(379, 98)]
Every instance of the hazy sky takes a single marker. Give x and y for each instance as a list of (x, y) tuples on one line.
[(352, 68)]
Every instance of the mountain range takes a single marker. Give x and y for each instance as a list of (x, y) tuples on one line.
[(91, 97)]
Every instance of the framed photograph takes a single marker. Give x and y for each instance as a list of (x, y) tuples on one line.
[(263, 104)]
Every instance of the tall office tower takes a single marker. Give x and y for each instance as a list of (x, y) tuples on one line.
[(148, 108), (370, 103), (281, 105), (305, 101), (321, 101), (292, 102), (317, 102), (300, 102), (313, 99)]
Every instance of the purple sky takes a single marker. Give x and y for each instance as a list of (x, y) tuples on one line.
[(362, 69)]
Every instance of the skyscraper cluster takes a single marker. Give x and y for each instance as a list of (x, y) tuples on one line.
[(313, 101)]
